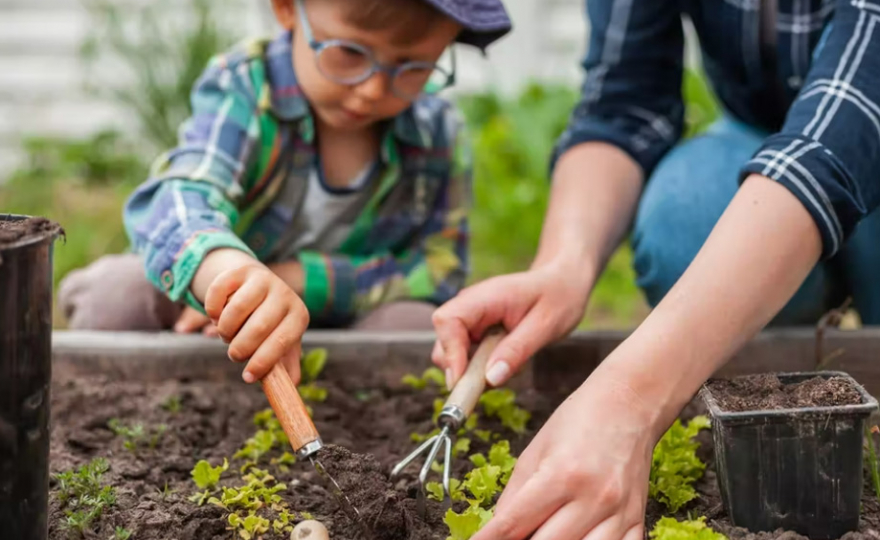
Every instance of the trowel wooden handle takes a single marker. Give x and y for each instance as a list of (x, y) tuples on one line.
[(289, 408), (471, 385)]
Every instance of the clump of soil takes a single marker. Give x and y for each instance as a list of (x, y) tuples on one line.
[(388, 512), (767, 392), (13, 231)]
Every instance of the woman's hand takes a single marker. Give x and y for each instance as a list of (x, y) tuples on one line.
[(536, 307), (585, 475)]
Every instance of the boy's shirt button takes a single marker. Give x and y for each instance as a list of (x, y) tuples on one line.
[(167, 280)]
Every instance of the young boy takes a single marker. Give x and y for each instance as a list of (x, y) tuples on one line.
[(314, 181)]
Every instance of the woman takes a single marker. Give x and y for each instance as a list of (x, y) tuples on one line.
[(754, 220)]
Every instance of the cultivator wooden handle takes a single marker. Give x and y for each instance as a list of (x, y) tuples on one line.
[(471, 385), (290, 409)]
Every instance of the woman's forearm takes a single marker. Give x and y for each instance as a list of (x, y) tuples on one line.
[(759, 253), (595, 193)]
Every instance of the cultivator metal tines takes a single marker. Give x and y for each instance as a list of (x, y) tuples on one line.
[(459, 405)]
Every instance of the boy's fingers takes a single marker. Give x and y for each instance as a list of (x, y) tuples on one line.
[(256, 329), (239, 307), (220, 290), (281, 342), (291, 362), (190, 320)]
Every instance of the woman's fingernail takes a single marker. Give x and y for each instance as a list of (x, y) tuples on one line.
[(448, 378), (248, 377), (498, 373)]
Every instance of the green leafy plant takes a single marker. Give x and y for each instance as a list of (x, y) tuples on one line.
[(463, 526), (499, 456), (207, 477), (668, 528), (163, 59), (313, 364), (268, 437), (172, 404), (501, 403), (675, 465), (431, 375), (456, 493), (312, 392), (136, 436), (121, 533), (82, 495), (251, 526)]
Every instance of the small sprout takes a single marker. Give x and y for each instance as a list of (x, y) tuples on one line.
[(172, 404), (250, 527), (313, 364), (671, 529), (284, 522), (463, 526), (313, 392), (136, 435), (82, 496), (307, 516), (166, 491), (121, 533), (207, 477), (501, 403), (461, 446), (430, 376), (483, 434), (310, 530), (435, 490)]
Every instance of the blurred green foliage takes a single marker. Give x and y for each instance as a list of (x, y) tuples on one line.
[(162, 55), (84, 183)]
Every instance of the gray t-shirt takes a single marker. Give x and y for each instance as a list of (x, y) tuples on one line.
[(326, 214)]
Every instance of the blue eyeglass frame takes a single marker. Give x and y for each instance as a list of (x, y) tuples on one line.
[(377, 67)]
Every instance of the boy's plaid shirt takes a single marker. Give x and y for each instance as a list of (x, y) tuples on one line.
[(250, 132)]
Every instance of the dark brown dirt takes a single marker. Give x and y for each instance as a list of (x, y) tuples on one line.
[(767, 392), (20, 230), (215, 420)]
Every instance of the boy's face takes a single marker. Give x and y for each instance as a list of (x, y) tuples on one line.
[(355, 107)]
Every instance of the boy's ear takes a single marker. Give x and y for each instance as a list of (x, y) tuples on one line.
[(285, 13)]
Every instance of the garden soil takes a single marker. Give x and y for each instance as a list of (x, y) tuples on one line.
[(24, 229), (766, 392), (367, 431)]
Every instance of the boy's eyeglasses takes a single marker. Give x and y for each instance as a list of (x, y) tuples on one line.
[(349, 63)]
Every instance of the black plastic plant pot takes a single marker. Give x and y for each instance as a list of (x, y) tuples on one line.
[(796, 469), (25, 373)]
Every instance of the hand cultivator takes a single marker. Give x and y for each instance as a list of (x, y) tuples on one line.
[(459, 405)]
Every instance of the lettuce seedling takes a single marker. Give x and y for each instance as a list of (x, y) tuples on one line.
[(696, 529), (431, 375), (501, 403), (435, 490), (173, 404), (249, 527), (675, 465), (207, 477), (463, 526), (284, 522), (313, 364), (121, 533), (499, 455), (312, 392)]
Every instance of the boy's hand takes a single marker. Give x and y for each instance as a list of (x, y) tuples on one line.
[(254, 310), (191, 320)]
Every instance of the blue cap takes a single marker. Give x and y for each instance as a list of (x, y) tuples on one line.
[(484, 21)]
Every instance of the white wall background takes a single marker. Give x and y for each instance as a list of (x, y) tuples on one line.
[(41, 79)]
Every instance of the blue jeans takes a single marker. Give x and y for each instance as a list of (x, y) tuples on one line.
[(686, 196)]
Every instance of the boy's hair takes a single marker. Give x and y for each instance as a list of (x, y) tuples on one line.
[(410, 18)]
